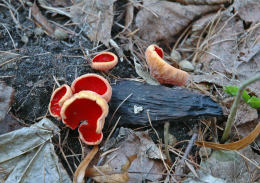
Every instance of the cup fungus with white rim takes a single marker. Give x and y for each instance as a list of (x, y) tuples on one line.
[(161, 70), (92, 82), (89, 110), (59, 96), (104, 61)]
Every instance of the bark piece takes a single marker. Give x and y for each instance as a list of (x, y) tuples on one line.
[(163, 103)]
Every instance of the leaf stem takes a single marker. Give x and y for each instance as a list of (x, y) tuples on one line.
[(234, 107)]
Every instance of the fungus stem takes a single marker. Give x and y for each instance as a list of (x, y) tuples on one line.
[(233, 110)]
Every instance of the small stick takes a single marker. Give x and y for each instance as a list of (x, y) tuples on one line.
[(166, 141), (9, 35), (188, 149), (56, 81), (234, 107)]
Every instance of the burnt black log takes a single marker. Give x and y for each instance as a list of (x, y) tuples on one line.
[(163, 104)]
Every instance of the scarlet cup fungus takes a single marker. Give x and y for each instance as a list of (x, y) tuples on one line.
[(92, 82), (59, 96), (161, 70), (104, 61), (89, 109)]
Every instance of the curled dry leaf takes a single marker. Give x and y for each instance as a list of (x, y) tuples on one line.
[(79, 174), (163, 19), (41, 20), (95, 17), (235, 145)]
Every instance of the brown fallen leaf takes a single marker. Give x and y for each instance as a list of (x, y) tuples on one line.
[(235, 145), (94, 17), (245, 114), (159, 20), (147, 165), (41, 20), (107, 174), (227, 54), (79, 174), (232, 166)]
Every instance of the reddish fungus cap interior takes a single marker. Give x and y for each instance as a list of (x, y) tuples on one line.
[(82, 110), (90, 83), (89, 133), (158, 51), (55, 107), (103, 58)]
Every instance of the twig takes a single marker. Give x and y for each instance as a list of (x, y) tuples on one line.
[(181, 164), (166, 140), (234, 107), (9, 35), (112, 117), (110, 134), (56, 81), (188, 149)]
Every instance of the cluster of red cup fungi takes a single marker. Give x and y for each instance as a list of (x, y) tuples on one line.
[(84, 104)]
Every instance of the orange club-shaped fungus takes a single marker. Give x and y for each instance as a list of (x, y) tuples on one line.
[(89, 110), (92, 82), (161, 70), (59, 96), (104, 61)]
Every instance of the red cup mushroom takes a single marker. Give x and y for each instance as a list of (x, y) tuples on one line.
[(92, 82), (89, 109), (104, 61), (59, 96), (161, 70)]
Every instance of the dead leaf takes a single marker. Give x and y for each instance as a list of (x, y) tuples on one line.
[(41, 20), (114, 178), (6, 97), (244, 114), (231, 50), (232, 166), (8, 124), (146, 165), (235, 145), (161, 20), (217, 79), (57, 6), (28, 155), (203, 2), (94, 17), (80, 172), (145, 74), (107, 174), (129, 15)]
